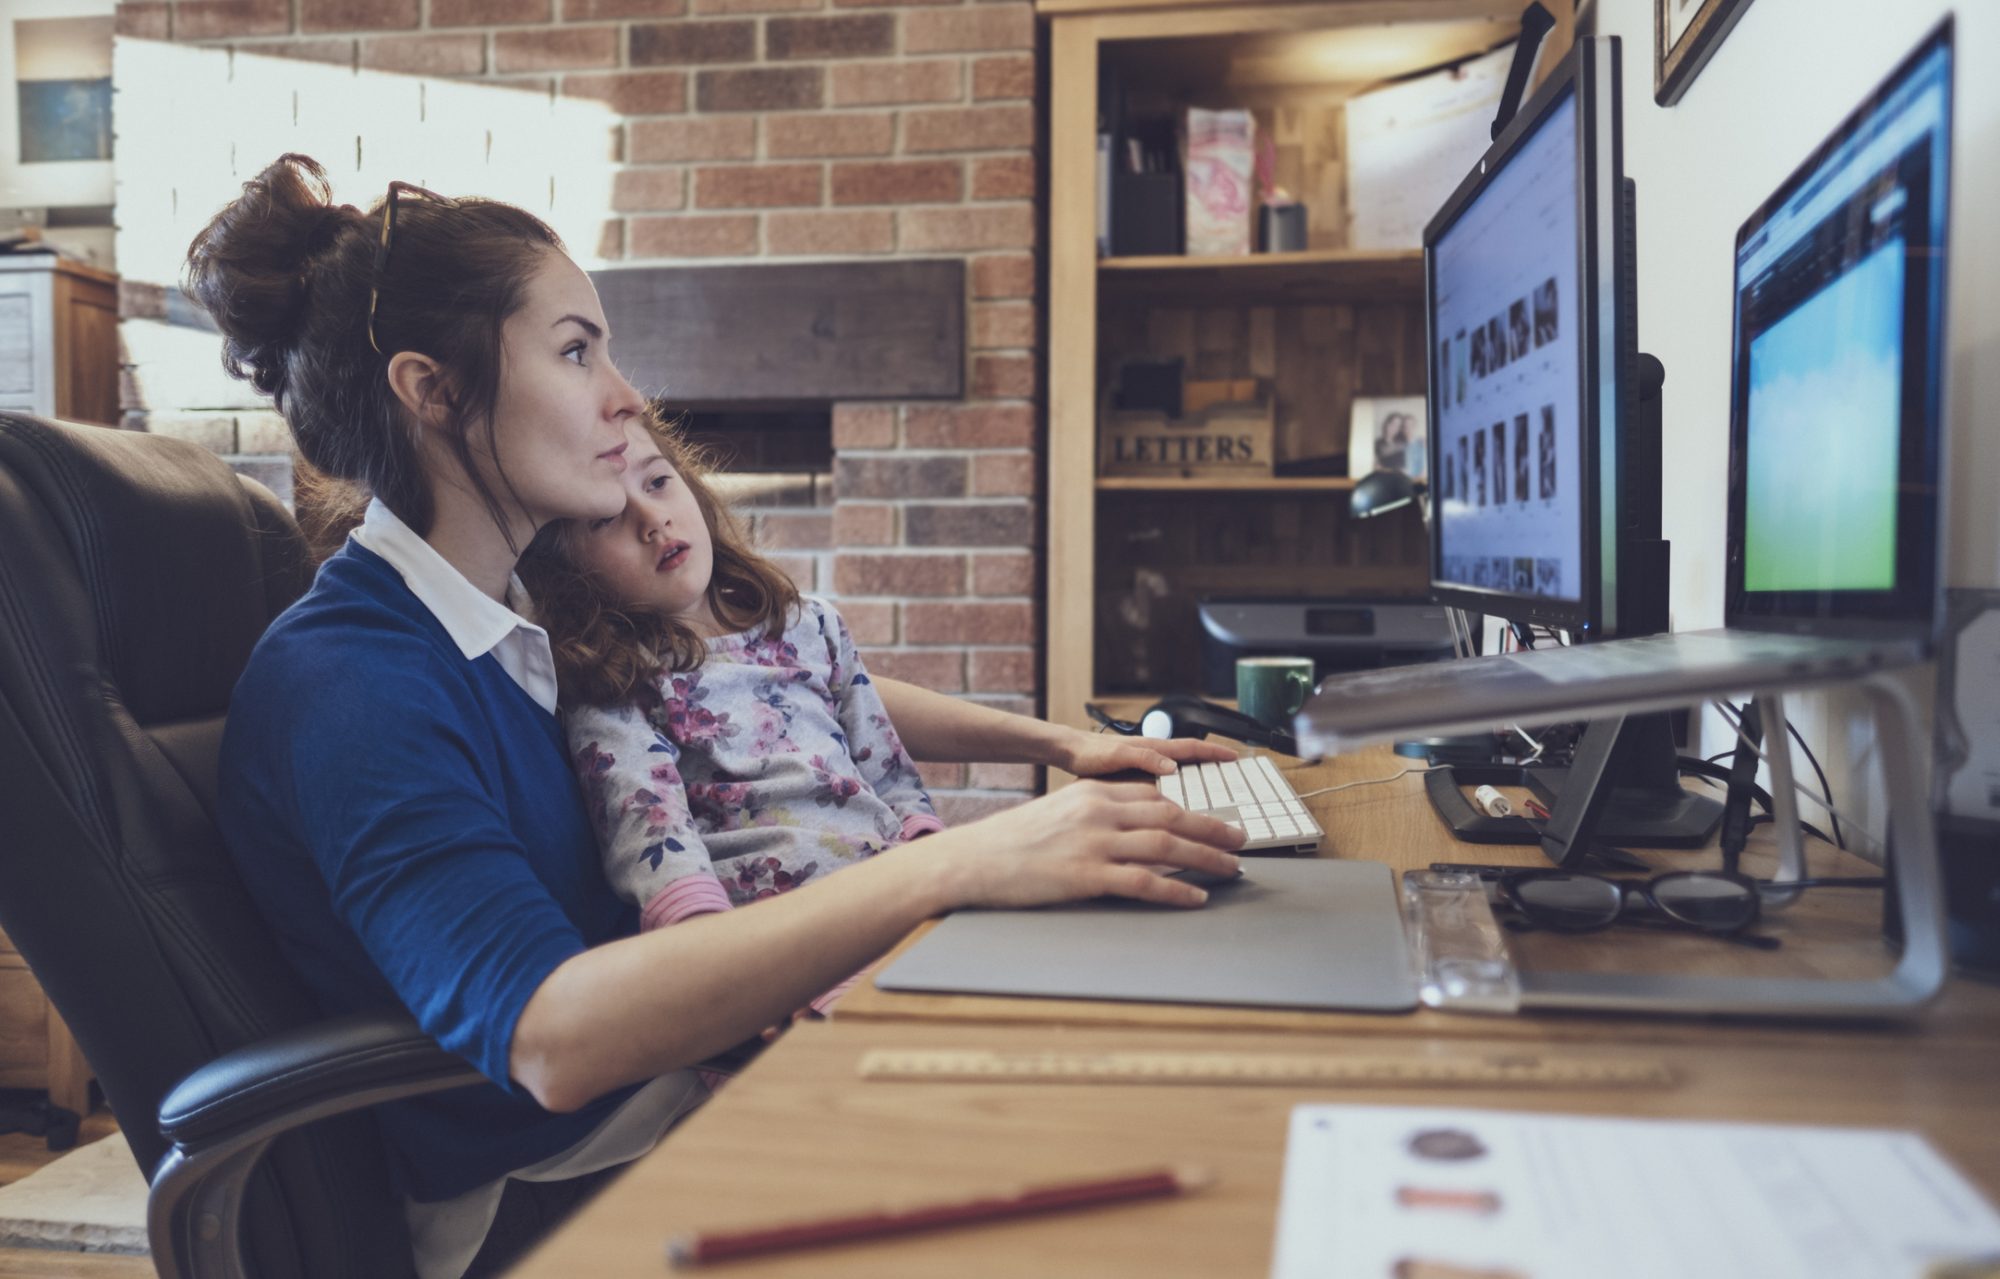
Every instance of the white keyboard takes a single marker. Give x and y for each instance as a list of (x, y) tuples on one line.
[(1251, 794)]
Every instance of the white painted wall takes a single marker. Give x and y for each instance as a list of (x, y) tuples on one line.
[(1778, 84), (194, 123)]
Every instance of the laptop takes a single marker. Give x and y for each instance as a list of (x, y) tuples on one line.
[(1835, 501)]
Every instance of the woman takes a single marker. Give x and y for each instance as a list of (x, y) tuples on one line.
[(394, 783)]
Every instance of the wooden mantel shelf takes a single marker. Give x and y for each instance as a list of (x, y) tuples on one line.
[(1224, 484), (1334, 275)]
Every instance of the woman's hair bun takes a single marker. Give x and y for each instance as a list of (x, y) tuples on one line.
[(251, 267)]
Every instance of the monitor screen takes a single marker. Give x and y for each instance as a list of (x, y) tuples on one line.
[(1839, 366), (1508, 503)]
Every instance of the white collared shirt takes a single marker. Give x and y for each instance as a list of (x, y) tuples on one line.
[(477, 623)]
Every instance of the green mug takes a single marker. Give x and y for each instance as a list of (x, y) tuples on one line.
[(1270, 690)]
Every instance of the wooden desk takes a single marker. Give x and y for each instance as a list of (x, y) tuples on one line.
[(801, 1133)]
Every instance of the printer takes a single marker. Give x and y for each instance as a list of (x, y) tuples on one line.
[(1337, 634)]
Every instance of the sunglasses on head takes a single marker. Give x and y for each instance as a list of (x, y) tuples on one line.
[(396, 190)]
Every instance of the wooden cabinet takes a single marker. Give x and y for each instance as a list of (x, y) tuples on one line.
[(58, 358), (36, 1050), (1129, 558), (58, 339)]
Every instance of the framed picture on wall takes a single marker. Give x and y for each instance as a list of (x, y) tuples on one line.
[(1685, 36), (55, 103)]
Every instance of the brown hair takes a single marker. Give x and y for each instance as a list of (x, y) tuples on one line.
[(610, 651), (286, 274)]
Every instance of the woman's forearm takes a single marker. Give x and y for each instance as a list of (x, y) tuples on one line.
[(945, 730), (635, 1008)]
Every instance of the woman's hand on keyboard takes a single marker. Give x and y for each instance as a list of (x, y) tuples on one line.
[(1092, 839), (1095, 754)]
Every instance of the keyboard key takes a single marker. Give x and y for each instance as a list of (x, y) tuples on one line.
[(1170, 786), (1260, 782), (1197, 793), (1232, 777)]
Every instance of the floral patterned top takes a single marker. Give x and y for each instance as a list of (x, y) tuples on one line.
[(770, 765)]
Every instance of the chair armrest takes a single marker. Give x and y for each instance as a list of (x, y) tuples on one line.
[(312, 1072), (223, 1117)]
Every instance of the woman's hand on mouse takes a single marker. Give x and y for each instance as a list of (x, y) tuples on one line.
[(1091, 839), (1095, 754)]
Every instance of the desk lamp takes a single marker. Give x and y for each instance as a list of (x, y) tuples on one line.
[(1379, 492)]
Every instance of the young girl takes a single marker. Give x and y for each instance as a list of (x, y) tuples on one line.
[(729, 742), (396, 791)]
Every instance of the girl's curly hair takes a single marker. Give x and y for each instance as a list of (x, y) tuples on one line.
[(609, 651)]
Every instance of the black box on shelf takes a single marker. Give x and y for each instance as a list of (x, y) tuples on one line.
[(1146, 214)]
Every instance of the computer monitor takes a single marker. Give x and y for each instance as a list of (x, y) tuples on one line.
[(1837, 401), (1545, 431), (1545, 501)]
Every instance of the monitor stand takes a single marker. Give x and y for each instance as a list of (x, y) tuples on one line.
[(1622, 788)]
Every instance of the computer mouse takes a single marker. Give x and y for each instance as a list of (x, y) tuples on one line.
[(1207, 878)]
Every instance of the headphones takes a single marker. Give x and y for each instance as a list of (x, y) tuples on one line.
[(1179, 715)]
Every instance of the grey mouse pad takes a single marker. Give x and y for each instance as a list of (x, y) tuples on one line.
[(1309, 933)]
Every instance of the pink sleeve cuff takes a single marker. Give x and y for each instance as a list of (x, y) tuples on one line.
[(824, 1004), (693, 895), (920, 824)]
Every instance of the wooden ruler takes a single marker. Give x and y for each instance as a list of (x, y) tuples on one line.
[(1491, 1070)]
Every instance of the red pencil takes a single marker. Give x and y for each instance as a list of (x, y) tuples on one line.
[(873, 1224)]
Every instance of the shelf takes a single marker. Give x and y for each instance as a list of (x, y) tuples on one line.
[(1251, 68), (1320, 326), (1248, 484), (1317, 276)]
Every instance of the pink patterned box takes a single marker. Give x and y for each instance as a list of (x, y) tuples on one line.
[(1221, 149)]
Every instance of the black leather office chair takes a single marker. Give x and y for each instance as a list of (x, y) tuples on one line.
[(136, 573)]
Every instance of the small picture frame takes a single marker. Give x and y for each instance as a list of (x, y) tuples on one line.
[(1686, 34), (1386, 433)]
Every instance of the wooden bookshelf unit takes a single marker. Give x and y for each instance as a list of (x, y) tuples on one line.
[(1130, 557)]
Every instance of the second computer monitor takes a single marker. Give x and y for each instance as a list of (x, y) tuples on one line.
[(1837, 400), (1530, 337)]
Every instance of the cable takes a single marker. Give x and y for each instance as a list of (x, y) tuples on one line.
[(1107, 722), (1715, 772), (1462, 623), (1522, 733), (1461, 631), (1834, 816), (1735, 715), (1801, 788), (1372, 781)]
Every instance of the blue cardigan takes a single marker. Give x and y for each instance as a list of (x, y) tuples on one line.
[(409, 823)]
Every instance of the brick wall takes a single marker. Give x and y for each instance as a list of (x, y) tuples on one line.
[(738, 130)]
